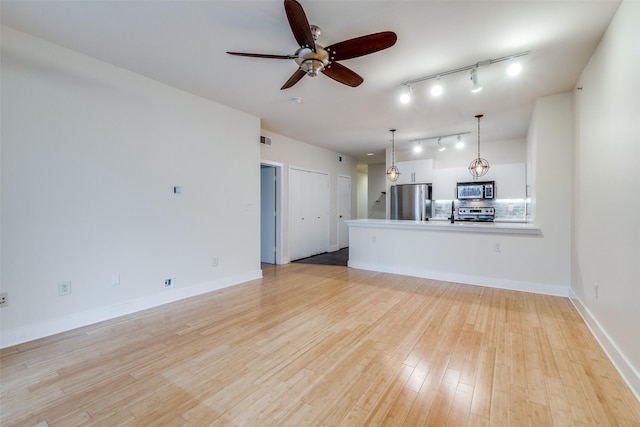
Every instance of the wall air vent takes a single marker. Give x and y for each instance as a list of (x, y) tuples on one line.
[(265, 140)]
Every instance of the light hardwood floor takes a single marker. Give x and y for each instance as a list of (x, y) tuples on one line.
[(312, 345)]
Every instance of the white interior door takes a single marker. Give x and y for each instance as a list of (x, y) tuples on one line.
[(320, 196), (296, 215), (309, 213), (344, 210), (268, 214)]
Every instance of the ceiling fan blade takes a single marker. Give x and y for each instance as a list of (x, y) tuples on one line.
[(342, 74), (361, 46), (260, 55), (299, 24), (295, 78)]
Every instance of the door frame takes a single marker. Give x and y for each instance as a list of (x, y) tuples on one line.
[(278, 206), (338, 207)]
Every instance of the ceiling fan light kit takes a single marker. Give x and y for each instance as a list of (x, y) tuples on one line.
[(313, 58)]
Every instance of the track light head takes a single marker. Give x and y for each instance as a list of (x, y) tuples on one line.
[(436, 89), (514, 69), (405, 97), (475, 85)]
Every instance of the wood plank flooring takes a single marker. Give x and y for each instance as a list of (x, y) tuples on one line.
[(313, 345)]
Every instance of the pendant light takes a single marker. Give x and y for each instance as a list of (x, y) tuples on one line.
[(479, 166), (393, 173)]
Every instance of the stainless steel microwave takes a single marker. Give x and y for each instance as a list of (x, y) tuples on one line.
[(475, 190)]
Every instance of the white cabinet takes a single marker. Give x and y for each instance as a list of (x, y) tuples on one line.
[(463, 174), (444, 184), (309, 207), (415, 171), (511, 181)]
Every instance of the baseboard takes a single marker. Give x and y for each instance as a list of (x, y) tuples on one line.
[(57, 325), (334, 248), (491, 282), (626, 370)]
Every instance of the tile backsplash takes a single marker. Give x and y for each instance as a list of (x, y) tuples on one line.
[(506, 209)]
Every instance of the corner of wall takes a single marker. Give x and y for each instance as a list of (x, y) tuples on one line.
[(608, 345)]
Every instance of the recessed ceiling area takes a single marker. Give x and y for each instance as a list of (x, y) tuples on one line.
[(184, 43)]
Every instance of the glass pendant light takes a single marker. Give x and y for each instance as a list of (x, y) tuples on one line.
[(479, 166), (393, 173)]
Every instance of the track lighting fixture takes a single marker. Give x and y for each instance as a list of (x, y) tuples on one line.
[(405, 97), (479, 166), (393, 173), (475, 85), (437, 89), (441, 146), (417, 148)]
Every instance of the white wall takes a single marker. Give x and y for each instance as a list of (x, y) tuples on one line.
[(362, 192), (378, 184), (551, 140), (290, 152), (606, 226), (90, 155)]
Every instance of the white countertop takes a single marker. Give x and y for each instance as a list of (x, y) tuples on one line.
[(458, 226)]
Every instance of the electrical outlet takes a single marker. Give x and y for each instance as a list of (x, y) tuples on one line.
[(214, 261), (169, 283), (497, 247), (4, 299), (595, 289), (64, 288)]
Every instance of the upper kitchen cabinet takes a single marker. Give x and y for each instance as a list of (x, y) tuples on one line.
[(415, 171), (511, 180), (463, 175), (444, 184)]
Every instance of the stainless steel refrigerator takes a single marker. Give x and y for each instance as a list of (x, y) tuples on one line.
[(411, 201)]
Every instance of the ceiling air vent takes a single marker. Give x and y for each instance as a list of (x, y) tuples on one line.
[(265, 140)]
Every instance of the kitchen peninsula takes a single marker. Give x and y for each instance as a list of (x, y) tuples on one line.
[(495, 254)]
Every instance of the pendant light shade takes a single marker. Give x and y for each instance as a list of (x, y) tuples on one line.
[(479, 166), (393, 173)]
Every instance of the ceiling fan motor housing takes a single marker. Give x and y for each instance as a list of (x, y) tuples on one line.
[(312, 62)]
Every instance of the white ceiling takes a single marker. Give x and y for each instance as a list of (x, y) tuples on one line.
[(183, 44)]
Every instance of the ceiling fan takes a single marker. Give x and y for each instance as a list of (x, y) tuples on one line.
[(313, 58)]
